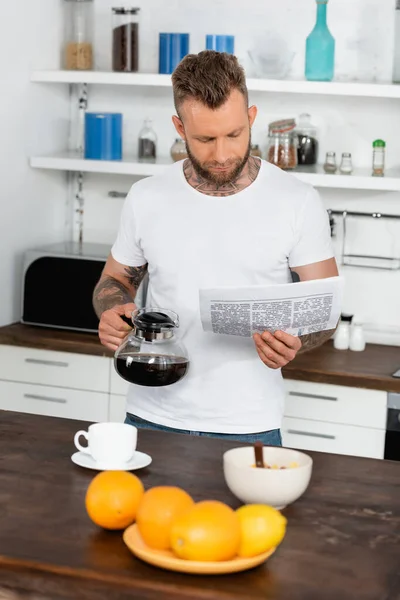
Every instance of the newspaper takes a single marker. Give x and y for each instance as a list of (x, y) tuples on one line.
[(297, 308)]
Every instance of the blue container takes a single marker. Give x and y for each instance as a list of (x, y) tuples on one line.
[(173, 47), (320, 48), (221, 43), (103, 136)]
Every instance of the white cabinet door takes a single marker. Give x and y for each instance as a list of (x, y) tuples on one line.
[(335, 404), (117, 410), (305, 434), (61, 369), (54, 401)]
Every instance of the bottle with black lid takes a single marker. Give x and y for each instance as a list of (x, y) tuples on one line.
[(125, 45)]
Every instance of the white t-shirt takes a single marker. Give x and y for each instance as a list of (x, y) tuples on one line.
[(192, 241)]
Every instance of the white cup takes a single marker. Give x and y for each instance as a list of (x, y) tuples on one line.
[(109, 443)]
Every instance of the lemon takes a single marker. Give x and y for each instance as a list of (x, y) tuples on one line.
[(262, 528)]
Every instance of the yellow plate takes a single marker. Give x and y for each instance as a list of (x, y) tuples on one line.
[(167, 560)]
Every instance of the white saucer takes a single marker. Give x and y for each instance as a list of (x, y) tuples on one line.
[(138, 461)]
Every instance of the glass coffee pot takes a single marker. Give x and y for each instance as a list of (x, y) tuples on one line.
[(151, 354)]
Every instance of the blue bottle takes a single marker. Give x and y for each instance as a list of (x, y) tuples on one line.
[(320, 48)]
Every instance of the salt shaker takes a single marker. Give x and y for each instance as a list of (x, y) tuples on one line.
[(147, 142), (330, 165), (341, 341), (357, 338), (346, 166)]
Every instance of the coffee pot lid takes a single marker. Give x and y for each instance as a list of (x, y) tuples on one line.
[(155, 323)]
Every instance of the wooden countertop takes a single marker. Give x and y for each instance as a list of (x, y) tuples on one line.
[(342, 541), (371, 369)]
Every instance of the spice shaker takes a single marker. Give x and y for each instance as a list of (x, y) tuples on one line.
[(346, 166), (125, 45), (378, 158), (330, 165), (307, 148), (147, 142), (78, 47), (341, 340), (357, 338), (282, 144), (178, 150)]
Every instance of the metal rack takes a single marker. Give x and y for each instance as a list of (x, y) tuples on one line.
[(355, 260)]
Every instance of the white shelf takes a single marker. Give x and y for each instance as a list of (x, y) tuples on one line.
[(361, 179), (334, 88)]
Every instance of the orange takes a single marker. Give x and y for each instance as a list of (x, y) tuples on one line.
[(262, 527), (157, 510), (112, 499), (210, 531)]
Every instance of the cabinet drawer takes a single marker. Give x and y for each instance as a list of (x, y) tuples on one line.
[(117, 408), (53, 401), (335, 438), (61, 369), (335, 404), (117, 384)]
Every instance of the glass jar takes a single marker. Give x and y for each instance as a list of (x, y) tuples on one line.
[(330, 165), (346, 166), (78, 43), (282, 144), (378, 158), (147, 142), (178, 150), (255, 150), (151, 355), (307, 149), (125, 45)]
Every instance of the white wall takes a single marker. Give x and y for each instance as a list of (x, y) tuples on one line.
[(32, 203)]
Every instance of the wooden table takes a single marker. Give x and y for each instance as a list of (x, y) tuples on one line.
[(343, 539)]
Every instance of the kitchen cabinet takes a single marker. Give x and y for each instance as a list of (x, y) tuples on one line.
[(333, 418), (318, 416), (59, 384)]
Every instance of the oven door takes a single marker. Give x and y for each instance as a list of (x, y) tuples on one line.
[(392, 442)]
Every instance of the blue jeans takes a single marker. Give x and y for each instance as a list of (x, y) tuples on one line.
[(268, 438)]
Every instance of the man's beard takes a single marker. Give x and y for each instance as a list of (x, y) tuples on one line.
[(225, 177)]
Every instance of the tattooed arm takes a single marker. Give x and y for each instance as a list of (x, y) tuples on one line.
[(113, 298), (278, 349)]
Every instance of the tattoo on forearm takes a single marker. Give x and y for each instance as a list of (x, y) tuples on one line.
[(109, 292), (313, 340)]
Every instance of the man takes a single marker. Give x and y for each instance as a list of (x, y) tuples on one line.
[(219, 218)]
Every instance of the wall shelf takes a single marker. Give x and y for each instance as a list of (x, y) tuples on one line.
[(334, 88), (361, 179)]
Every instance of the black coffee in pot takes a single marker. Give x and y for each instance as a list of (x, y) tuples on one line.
[(152, 370)]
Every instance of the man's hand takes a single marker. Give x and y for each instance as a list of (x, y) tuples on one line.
[(112, 329), (278, 349)]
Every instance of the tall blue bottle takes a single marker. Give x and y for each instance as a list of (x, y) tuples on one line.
[(320, 48)]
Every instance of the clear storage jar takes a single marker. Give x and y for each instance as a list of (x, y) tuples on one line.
[(78, 35), (125, 46), (282, 144)]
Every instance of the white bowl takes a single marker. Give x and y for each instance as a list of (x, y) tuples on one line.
[(275, 487)]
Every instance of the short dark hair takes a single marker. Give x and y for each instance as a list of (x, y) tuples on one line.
[(209, 77)]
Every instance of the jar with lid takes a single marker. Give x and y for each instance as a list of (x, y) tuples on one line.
[(178, 150), (282, 144), (255, 150), (152, 355), (330, 165), (78, 37), (147, 142), (378, 158), (346, 166), (307, 149), (125, 44)]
